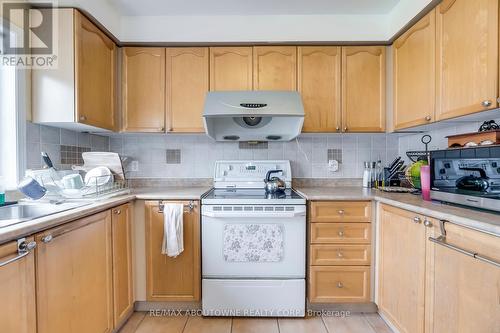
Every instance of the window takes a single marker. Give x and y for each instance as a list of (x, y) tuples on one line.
[(13, 99)]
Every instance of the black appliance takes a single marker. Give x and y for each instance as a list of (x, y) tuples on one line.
[(467, 176)]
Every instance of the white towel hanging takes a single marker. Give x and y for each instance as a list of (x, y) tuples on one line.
[(173, 235)]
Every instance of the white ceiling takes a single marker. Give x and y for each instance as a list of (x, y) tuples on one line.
[(252, 7)]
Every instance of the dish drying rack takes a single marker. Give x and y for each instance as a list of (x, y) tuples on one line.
[(93, 189)]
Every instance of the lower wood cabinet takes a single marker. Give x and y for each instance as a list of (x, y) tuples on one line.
[(123, 296), (339, 252), (17, 289), (74, 277), (173, 279), (435, 282), (463, 292), (401, 268)]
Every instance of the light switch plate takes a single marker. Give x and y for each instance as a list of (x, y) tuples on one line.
[(333, 165)]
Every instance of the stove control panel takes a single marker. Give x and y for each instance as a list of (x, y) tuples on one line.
[(248, 174)]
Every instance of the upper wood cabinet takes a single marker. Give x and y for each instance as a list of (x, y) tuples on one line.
[(466, 57), (17, 290), (143, 89), (172, 279), (275, 67), (80, 92), (363, 89), (401, 268), (319, 73), (463, 292), (95, 74), (123, 296), (74, 277), (231, 68), (414, 74), (186, 84)]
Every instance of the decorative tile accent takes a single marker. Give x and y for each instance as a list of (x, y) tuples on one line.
[(173, 156), (72, 154), (248, 145), (334, 154)]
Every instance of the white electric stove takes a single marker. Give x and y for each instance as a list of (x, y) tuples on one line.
[(253, 243)]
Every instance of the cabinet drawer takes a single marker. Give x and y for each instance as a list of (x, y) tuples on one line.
[(334, 233), (340, 211), (341, 254), (334, 284)]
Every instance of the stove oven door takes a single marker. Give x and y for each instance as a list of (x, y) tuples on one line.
[(262, 243)]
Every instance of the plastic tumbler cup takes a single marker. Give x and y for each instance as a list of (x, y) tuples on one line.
[(425, 181)]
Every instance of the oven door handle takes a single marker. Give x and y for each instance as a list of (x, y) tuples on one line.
[(252, 214)]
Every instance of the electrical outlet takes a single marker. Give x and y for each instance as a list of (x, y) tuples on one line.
[(333, 165), (134, 166)]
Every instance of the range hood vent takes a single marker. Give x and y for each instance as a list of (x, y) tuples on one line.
[(253, 115)]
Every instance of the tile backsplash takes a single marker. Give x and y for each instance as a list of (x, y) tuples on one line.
[(63, 146), (193, 155), (198, 153)]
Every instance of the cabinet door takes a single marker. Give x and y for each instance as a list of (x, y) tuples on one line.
[(363, 88), (143, 89), (95, 75), (319, 85), (231, 68), (275, 67), (467, 57), (187, 85), (74, 278), (172, 279), (17, 290), (463, 292), (414, 55), (401, 269), (123, 299)]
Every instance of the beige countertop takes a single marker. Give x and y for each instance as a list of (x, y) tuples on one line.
[(165, 193), (479, 220), (484, 221)]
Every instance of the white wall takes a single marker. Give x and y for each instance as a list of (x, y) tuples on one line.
[(251, 28)]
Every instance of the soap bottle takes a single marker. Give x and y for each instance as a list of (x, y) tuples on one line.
[(2, 191)]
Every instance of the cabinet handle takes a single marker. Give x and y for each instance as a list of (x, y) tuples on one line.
[(83, 118), (340, 255), (341, 233), (345, 129), (428, 118), (117, 211), (161, 129), (23, 249), (337, 129), (47, 239), (427, 223), (417, 219), (486, 103), (340, 285), (341, 212)]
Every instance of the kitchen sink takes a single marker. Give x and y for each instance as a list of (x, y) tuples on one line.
[(25, 211)]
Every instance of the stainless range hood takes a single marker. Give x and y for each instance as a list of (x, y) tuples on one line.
[(253, 115)]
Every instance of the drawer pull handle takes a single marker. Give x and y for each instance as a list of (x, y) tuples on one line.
[(341, 212), (427, 223), (47, 239), (486, 103), (117, 211), (340, 285), (340, 255), (341, 233), (417, 219)]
